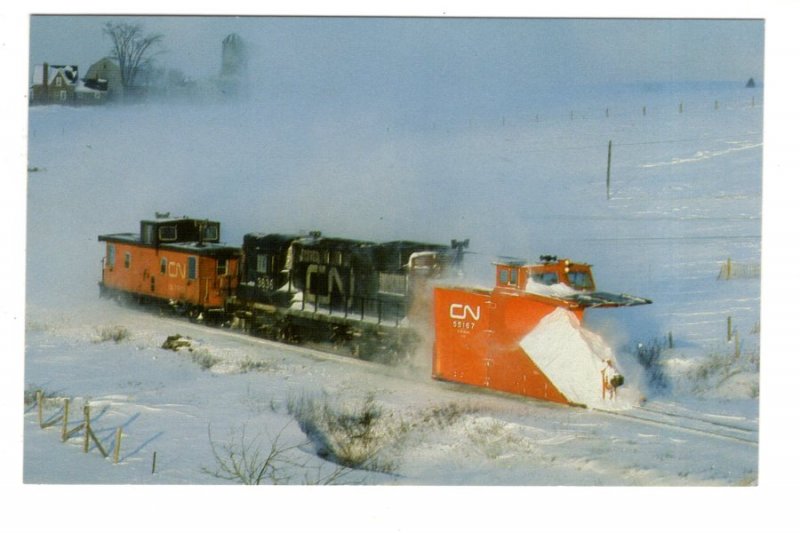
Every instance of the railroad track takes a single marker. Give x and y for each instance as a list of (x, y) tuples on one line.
[(690, 422)]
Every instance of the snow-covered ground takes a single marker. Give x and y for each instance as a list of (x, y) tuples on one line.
[(685, 197)]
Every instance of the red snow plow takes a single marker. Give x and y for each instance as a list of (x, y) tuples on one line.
[(525, 335)]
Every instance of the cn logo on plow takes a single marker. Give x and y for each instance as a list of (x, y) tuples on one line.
[(464, 312)]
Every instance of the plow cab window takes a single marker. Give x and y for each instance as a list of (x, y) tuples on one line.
[(545, 278), (580, 280)]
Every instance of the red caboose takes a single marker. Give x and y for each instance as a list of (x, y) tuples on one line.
[(179, 261)]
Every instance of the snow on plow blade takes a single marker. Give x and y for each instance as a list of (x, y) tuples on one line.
[(516, 340)]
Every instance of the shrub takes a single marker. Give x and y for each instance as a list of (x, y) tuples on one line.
[(252, 365), (446, 415), (113, 333), (354, 436), (30, 394), (246, 461), (204, 358)]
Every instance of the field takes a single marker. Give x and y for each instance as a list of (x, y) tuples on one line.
[(680, 224)]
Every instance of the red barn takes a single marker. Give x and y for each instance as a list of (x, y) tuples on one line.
[(179, 261)]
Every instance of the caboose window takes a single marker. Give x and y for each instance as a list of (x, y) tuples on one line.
[(222, 267), (211, 233), (167, 233), (127, 259), (191, 267), (112, 255), (147, 234), (163, 265)]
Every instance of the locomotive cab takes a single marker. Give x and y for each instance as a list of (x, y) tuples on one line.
[(561, 279), (577, 276)]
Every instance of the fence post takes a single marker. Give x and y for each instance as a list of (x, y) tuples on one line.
[(86, 428), (730, 329), (153, 465), (117, 441), (608, 173), (728, 269), (64, 421), (39, 406)]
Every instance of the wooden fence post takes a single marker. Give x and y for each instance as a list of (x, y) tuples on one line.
[(730, 329), (608, 173), (65, 420), (39, 406), (86, 428), (117, 441), (153, 466)]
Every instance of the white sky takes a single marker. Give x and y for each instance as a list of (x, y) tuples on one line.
[(405, 50)]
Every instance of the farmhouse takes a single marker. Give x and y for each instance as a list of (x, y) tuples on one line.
[(61, 84)]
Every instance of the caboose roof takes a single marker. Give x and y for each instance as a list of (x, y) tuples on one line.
[(206, 248)]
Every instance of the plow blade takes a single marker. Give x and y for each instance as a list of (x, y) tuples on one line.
[(607, 299)]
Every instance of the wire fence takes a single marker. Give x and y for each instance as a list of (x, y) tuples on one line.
[(735, 270)]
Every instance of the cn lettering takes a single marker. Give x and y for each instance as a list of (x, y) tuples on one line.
[(176, 270), (463, 311)]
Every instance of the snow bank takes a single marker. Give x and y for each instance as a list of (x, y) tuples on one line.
[(573, 359)]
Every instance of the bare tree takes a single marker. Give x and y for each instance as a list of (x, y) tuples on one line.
[(246, 462), (131, 48)]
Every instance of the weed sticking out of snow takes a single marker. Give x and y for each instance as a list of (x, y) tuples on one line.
[(442, 416), (716, 375), (249, 364), (112, 333)]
